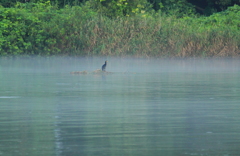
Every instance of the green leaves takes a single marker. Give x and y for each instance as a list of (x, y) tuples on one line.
[(119, 8), (108, 27)]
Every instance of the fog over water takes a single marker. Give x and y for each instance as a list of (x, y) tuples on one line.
[(139, 107)]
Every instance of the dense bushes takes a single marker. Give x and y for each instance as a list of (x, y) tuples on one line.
[(22, 29), (43, 29)]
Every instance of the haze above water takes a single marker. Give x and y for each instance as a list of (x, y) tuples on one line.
[(146, 107)]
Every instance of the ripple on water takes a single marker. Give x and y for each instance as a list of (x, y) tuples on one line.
[(9, 97)]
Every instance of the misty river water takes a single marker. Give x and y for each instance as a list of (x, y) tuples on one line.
[(145, 107)]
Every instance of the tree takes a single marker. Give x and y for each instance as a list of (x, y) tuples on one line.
[(180, 7), (208, 7), (116, 8)]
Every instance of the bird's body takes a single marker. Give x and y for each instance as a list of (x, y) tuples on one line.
[(104, 66)]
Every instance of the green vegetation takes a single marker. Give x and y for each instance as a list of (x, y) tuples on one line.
[(120, 27)]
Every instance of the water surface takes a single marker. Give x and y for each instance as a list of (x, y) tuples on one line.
[(170, 107)]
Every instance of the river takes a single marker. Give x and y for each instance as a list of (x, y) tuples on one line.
[(141, 107)]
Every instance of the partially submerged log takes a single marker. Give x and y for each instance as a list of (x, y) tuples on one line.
[(98, 71), (79, 72)]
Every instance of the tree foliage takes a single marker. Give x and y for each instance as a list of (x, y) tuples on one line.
[(45, 29), (118, 8), (128, 7)]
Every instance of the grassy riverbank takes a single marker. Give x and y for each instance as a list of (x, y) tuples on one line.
[(43, 29)]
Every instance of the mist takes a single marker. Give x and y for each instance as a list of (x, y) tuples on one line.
[(137, 107)]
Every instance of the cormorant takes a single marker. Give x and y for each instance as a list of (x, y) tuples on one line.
[(104, 66)]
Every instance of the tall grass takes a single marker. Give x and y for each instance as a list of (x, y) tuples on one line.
[(46, 30)]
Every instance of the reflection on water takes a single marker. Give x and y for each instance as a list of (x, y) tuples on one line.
[(146, 107)]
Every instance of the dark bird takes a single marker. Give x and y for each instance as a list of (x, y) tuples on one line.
[(104, 66)]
